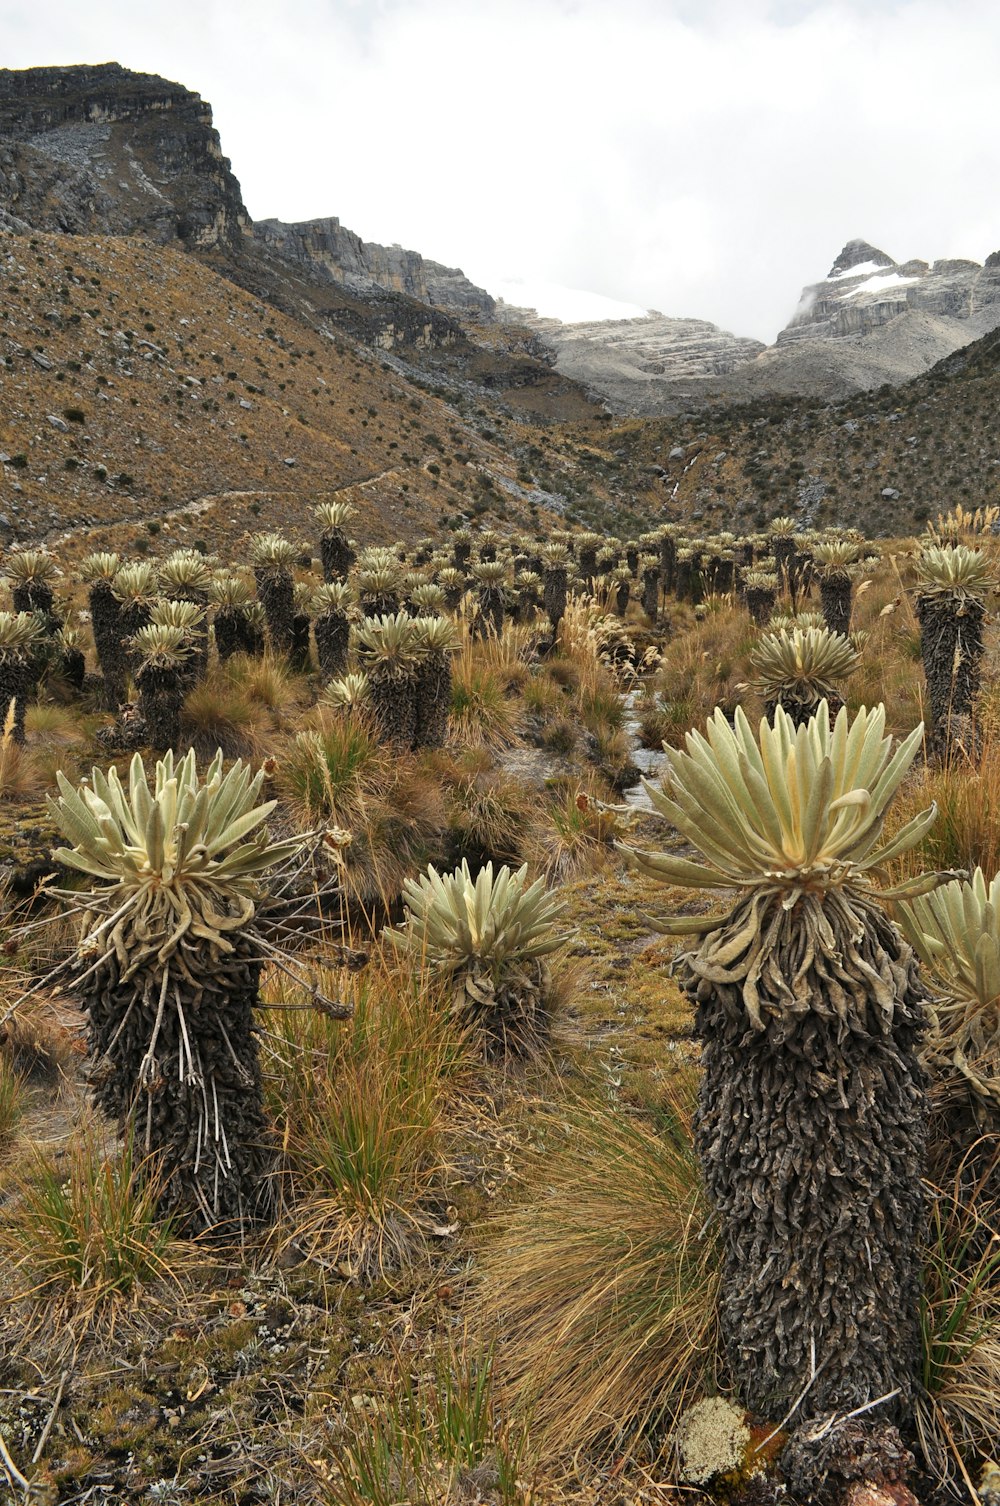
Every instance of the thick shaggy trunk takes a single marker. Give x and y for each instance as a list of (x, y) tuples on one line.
[(632, 560), (835, 593), (722, 577), (668, 562), (180, 1071), (489, 620), (277, 595), (379, 603), (74, 668), (105, 621), (432, 696), (228, 633), (161, 696), (336, 554), (18, 678), (34, 596), (132, 617), (802, 706), (333, 638), (760, 603), (811, 1131), (301, 654), (786, 559), (394, 705), (555, 595), (622, 593), (951, 645), (588, 563), (651, 593), (461, 553)]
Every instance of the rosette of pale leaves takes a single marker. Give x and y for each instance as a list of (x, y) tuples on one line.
[(391, 643), (955, 573), (20, 632), (183, 615), (454, 920), (334, 514), (104, 565), (271, 551), (24, 567), (185, 570), (787, 622), (229, 591), (955, 932), (333, 596), (349, 691), (490, 938), (175, 862), (800, 810), (161, 645), (135, 583), (835, 556), (805, 663)]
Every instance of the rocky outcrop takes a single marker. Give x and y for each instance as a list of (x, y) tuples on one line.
[(865, 289), (870, 321), (650, 365), (104, 151), (326, 247)]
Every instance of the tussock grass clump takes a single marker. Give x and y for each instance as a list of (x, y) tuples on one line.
[(966, 834), (602, 1287), (575, 835), (490, 815), (265, 681), (482, 715), (703, 670), (12, 1098), (82, 1230), (958, 1415), (20, 775), (360, 1106), (217, 713), (440, 1438), (324, 771)]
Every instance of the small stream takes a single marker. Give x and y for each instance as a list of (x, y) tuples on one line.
[(649, 761)]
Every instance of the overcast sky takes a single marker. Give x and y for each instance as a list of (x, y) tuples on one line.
[(702, 157)]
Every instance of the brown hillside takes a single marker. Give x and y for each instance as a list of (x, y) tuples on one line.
[(138, 383)]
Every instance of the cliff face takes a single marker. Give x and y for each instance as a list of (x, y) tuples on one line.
[(101, 150), (104, 151), (326, 247), (871, 320), (865, 289), (649, 365)]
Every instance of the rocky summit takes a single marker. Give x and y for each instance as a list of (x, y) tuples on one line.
[(100, 150), (871, 320)]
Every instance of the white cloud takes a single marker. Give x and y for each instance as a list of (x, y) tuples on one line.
[(703, 157)]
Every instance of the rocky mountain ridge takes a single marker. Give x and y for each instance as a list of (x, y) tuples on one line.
[(871, 320), (97, 150), (865, 289)]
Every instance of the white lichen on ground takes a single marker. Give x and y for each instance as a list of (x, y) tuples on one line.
[(711, 1439)]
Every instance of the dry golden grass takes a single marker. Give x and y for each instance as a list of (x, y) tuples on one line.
[(702, 668), (360, 1105), (966, 833), (602, 1286), (959, 1414), (82, 1234), (20, 773)]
